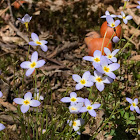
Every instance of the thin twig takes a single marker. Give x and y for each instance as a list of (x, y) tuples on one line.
[(11, 13)]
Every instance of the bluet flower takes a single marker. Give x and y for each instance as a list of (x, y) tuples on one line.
[(95, 59), (37, 96), (111, 22), (138, 5), (43, 131), (107, 13), (90, 108), (107, 69), (76, 124), (40, 43), (125, 18), (110, 55), (75, 108), (1, 94), (99, 80), (133, 104), (2, 126), (84, 81), (26, 102), (73, 99), (31, 66), (115, 39), (25, 20)]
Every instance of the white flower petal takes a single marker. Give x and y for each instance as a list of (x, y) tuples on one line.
[(34, 57), (132, 108), (114, 52), (76, 78), (79, 86), (28, 96), (18, 101), (111, 74), (100, 86), (34, 103), (109, 19), (44, 42), (97, 53), (89, 84), (1, 94), (129, 17), (107, 80), (34, 37), (136, 101), (86, 75), (104, 61), (107, 51), (137, 109), (25, 64), (24, 108), (125, 21), (129, 100), (29, 71), (113, 59), (32, 43), (44, 48), (88, 58), (40, 63), (87, 102), (2, 126), (114, 66), (73, 94)]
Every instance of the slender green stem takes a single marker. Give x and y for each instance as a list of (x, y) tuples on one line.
[(94, 136)]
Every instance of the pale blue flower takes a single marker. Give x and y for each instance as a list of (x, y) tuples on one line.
[(26, 19), (75, 108), (115, 39), (133, 104), (2, 126), (107, 13), (125, 18), (110, 55), (40, 43), (1, 94), (138, 5), (95, 59), (99, 80), (111, 22), (73, 99), (37, 96), (76, 124), (31, 66), (84, 81), (90, 108), (107, 69), (26, 102)]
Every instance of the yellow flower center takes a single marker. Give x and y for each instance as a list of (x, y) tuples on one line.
[(73, 108), (124, 17), (26, 102), (99, 79), (73, 99), (38, 42), (33, 64), (110, 56), (26, 25), (89, 107), (134, 104), (96, 59), (106, 69), (113, 25), (83, 81), (74, 123)]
